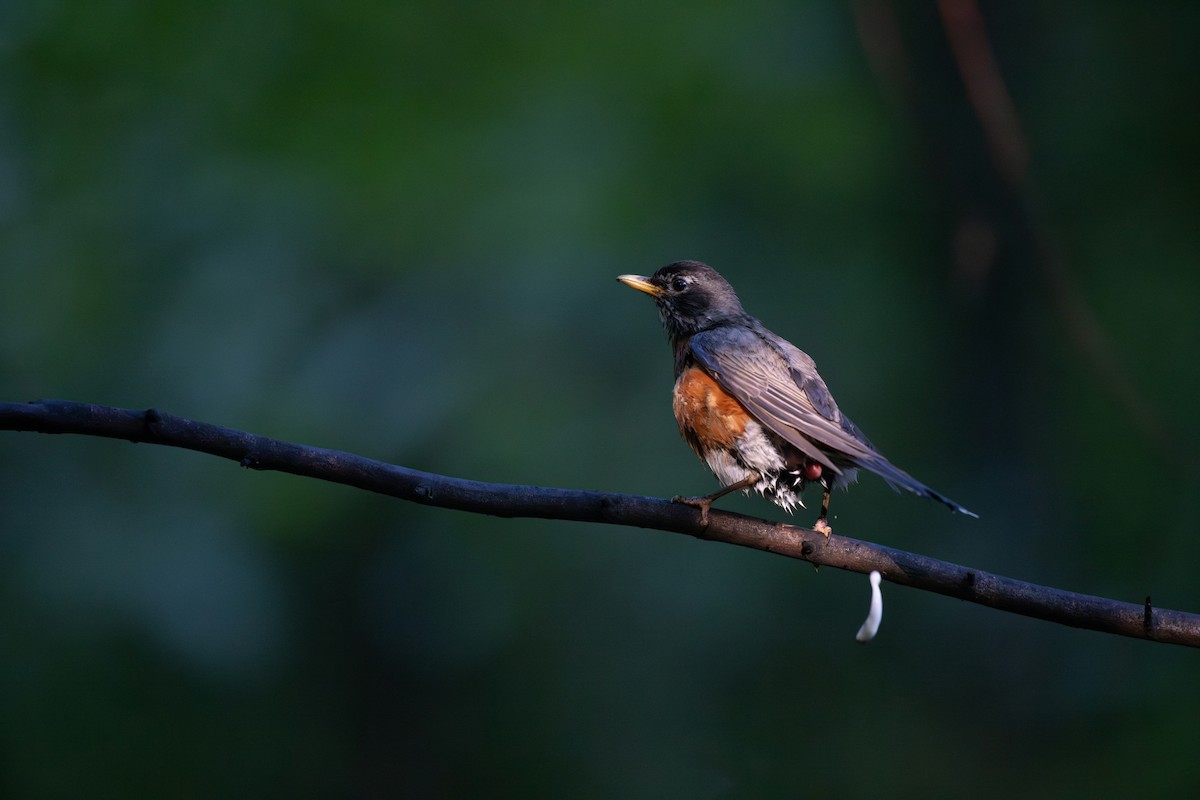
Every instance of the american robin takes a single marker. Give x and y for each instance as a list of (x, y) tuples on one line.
[(752, 405)]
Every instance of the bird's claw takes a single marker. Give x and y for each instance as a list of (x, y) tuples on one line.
[(702, 503), (822, 527)]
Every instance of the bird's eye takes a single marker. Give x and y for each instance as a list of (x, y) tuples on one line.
[(679, 283)]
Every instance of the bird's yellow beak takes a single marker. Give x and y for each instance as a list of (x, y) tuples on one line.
[(641, 283)]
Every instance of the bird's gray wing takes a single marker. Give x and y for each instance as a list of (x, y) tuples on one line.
[(779, 385)]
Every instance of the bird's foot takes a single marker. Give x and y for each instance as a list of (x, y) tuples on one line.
[(822, 527), (702, 503)]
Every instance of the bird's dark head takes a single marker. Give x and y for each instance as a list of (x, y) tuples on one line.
[(690, 296)]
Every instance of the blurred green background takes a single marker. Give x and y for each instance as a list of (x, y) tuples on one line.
[(393, 229)]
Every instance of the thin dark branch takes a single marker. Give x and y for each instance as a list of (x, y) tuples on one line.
[(1004, 133), (510, 500)]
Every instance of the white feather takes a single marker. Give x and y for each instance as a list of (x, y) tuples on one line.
[(875, 616)]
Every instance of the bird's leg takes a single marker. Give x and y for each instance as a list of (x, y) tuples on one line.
[(705, 503), (822, 525)]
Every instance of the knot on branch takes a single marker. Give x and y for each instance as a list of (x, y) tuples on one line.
[(152, 418)]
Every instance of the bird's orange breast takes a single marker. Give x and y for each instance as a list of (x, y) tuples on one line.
[(708, 416)]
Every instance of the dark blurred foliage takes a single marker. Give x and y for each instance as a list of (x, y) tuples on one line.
[(393, 228)]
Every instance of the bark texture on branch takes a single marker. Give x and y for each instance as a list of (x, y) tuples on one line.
[(512, 500)]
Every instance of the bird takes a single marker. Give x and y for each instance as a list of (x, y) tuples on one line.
[(752, 405)]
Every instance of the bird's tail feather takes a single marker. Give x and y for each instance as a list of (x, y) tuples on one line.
[(899, 479)]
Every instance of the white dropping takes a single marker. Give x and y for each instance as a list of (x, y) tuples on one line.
[(875, 616)]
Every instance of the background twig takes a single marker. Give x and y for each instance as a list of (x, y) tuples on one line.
[(1006, 142), (510, 500)]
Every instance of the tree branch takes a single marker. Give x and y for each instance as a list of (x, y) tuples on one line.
[(510, 500), (1004, 134)]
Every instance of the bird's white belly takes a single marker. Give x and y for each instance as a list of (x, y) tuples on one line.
[(756, 454)]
